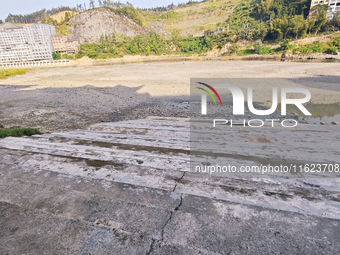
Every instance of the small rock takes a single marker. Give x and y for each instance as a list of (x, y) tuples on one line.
[(335, 123), (322, 123)]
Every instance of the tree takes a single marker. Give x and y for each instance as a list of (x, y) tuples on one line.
[(319, 14), (100, 3), (1, 21), (67, 16), (264, 8), (56, 56), (311, 24), (279, 28), (335, 22), (297, 25), (35, 16), (79, 8), (92, 54), (91, 5)]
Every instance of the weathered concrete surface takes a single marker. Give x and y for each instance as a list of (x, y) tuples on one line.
[(125, 188)]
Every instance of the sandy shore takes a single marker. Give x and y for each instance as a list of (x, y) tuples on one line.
[(74, 97)]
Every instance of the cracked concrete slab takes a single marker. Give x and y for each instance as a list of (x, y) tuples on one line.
[(126, 188)]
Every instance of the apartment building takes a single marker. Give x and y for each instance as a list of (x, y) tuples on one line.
[(39, 40), (313, 3), (59, 43), (64, 46), (26, 43), (14, 44), (72, 47), (334, 6)]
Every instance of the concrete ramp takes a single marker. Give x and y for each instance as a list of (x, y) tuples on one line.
[(126, 188)]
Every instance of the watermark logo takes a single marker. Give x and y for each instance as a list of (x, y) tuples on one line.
[(239, 102), (209, 93)]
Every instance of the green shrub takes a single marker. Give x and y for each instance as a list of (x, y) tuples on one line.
[(114, 50), (258, 47), (92, 54), (80, 54), (18, 132), (336, 42), (286, 45), (245, 52), (265, 50), (56, 55), (233, 48), (332, 50), (68, 56)]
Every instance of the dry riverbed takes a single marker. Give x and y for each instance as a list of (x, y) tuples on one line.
[(55, 99)]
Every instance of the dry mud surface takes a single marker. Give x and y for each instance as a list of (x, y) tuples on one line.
[(108, 181), (56, 99)]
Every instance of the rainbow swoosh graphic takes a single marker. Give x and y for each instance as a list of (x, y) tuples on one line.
[(209, 93)]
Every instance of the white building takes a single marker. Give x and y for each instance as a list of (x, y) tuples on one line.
[(39, 40), (13, 44), (334, 5), (27, 43)]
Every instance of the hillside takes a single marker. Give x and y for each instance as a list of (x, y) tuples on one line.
[(193, 18), (90, 25), (241, 27), (60, 16), (186, 20)]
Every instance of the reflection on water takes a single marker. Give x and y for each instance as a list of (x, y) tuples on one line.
[(326, 113)]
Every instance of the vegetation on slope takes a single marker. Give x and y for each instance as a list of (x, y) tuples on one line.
[(124, 9), (276, 20), (62, 25), (112, 46), (193, 17), (35, 16), (287, 46), (153, 44)]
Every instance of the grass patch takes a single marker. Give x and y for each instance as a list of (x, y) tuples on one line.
[(265, 50), (18, 132), (4, 74), (316, 47), (245, 52)]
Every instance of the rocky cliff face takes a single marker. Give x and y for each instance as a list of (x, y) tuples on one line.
[(90, 25)]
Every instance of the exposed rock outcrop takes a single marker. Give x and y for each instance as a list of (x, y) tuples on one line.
[(89, 26)]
